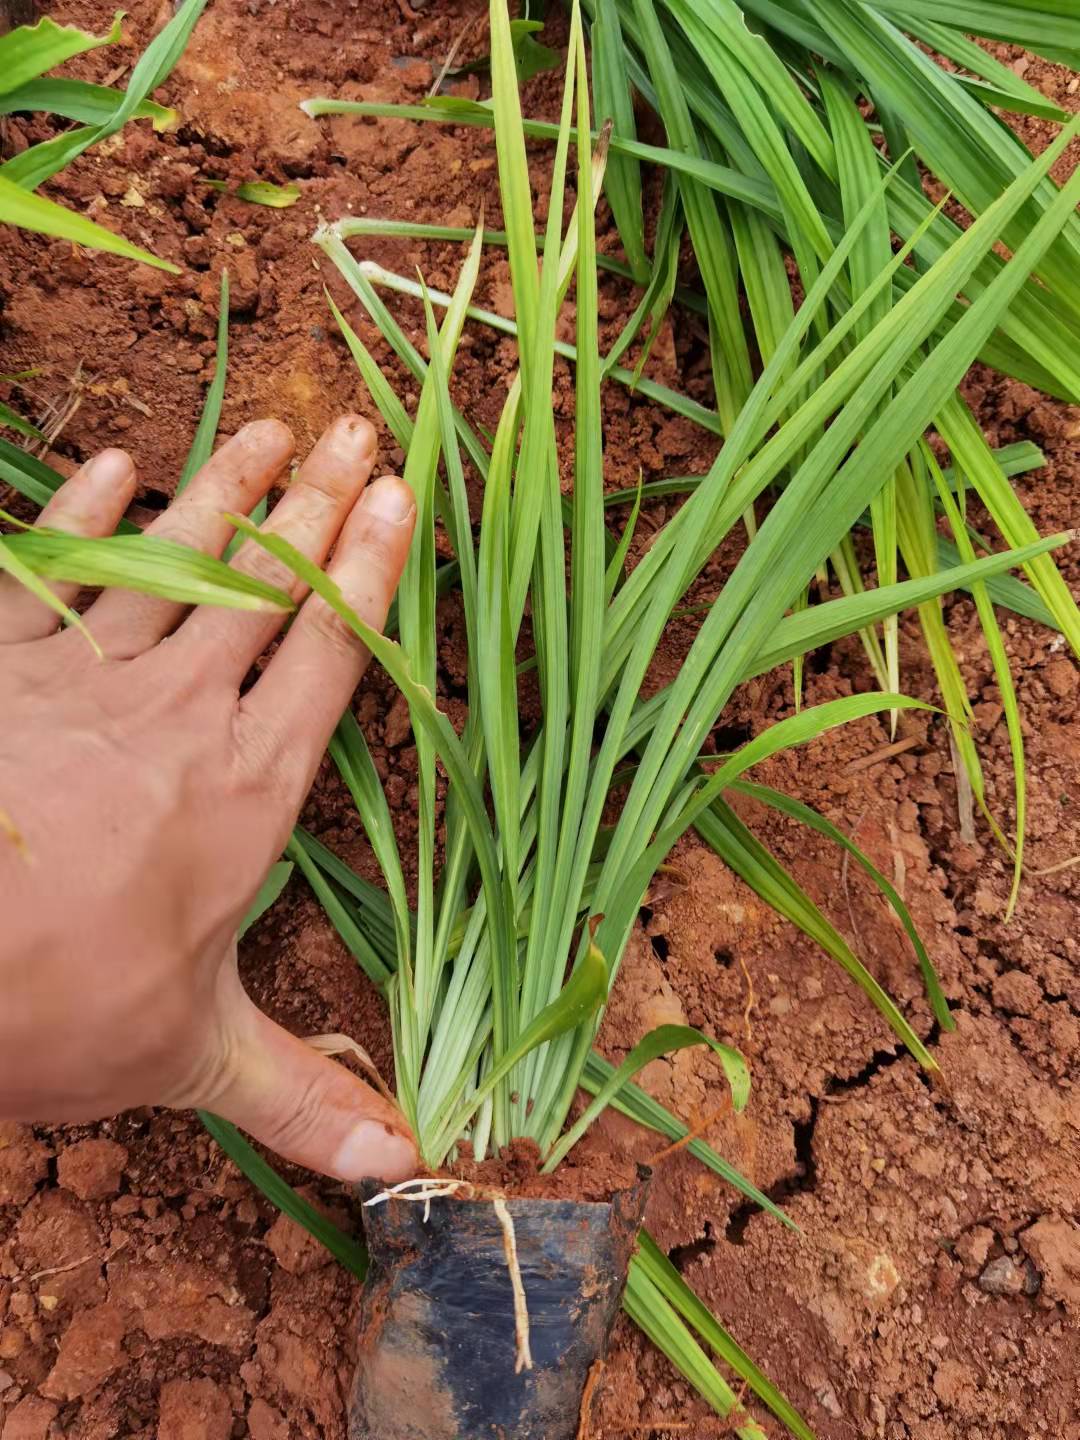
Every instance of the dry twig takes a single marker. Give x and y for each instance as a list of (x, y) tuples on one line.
[(898, 747)]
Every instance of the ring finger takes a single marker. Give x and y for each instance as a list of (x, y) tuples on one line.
[(238, 475)]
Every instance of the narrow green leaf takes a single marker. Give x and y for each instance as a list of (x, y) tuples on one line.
[(652, 390), (356, 942), (265, 1178), (206, 430), (436, 726), (30, 50), (1050, 27), (349, 752), (807, 629), (379, 388), (371, 900), (257, 516), (622, 178), (810, 817), (722, 178), (662, 1041), (28, 476), (259, 192), (145, 563), (647, 1306), (639, 1106), (79, 100), (276, 880), (578, 1001), (998, 84), (1004, 590), (28, 211), (614, 573), (11, 420), (35, 165), (999, 658), (19, 570), (678, 1293)]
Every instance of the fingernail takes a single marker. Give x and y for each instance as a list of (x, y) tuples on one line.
[(349, 444), (110, 469), (264, 434), (362, 433), (373, 1150), (390, 499)]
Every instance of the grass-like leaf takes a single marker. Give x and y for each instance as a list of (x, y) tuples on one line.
[(29, 50), (279, 1192), (79, 100), (494, 1031), (662, 1041), (146, 563), (206, 430), (35, 165), (12, 420), (28, 211), (662, 1273), (259, 192), (276, 880)]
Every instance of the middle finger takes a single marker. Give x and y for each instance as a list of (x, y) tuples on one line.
[(310, 516)]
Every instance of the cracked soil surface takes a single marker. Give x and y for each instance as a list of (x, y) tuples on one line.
[(932, 1291)]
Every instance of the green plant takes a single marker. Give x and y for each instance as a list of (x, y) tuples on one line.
[(771, 156), (496, 983), (128, 558), (26, 54), (34, 556)]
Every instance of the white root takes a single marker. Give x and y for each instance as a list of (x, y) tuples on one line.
[(426, 1189), (524, 1359), (421, 1191)]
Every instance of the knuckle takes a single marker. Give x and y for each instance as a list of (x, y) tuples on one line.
[(261, 565), (271, 770), (380, 555), (322, 489), (331, 632), (191, 523), (302, 1115), (370, 572)]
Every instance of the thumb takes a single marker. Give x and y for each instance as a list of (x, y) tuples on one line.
[(303, 1105)]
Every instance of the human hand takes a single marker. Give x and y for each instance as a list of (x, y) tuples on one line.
[(150, 799)]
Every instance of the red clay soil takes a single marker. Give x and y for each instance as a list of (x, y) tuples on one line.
[(933, 1290)]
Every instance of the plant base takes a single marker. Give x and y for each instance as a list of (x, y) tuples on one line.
[(437, 1345)]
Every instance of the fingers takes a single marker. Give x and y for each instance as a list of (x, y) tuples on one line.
[(89, 504), (233, 479), (309, 682), (306, 1107), (310, 516)]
